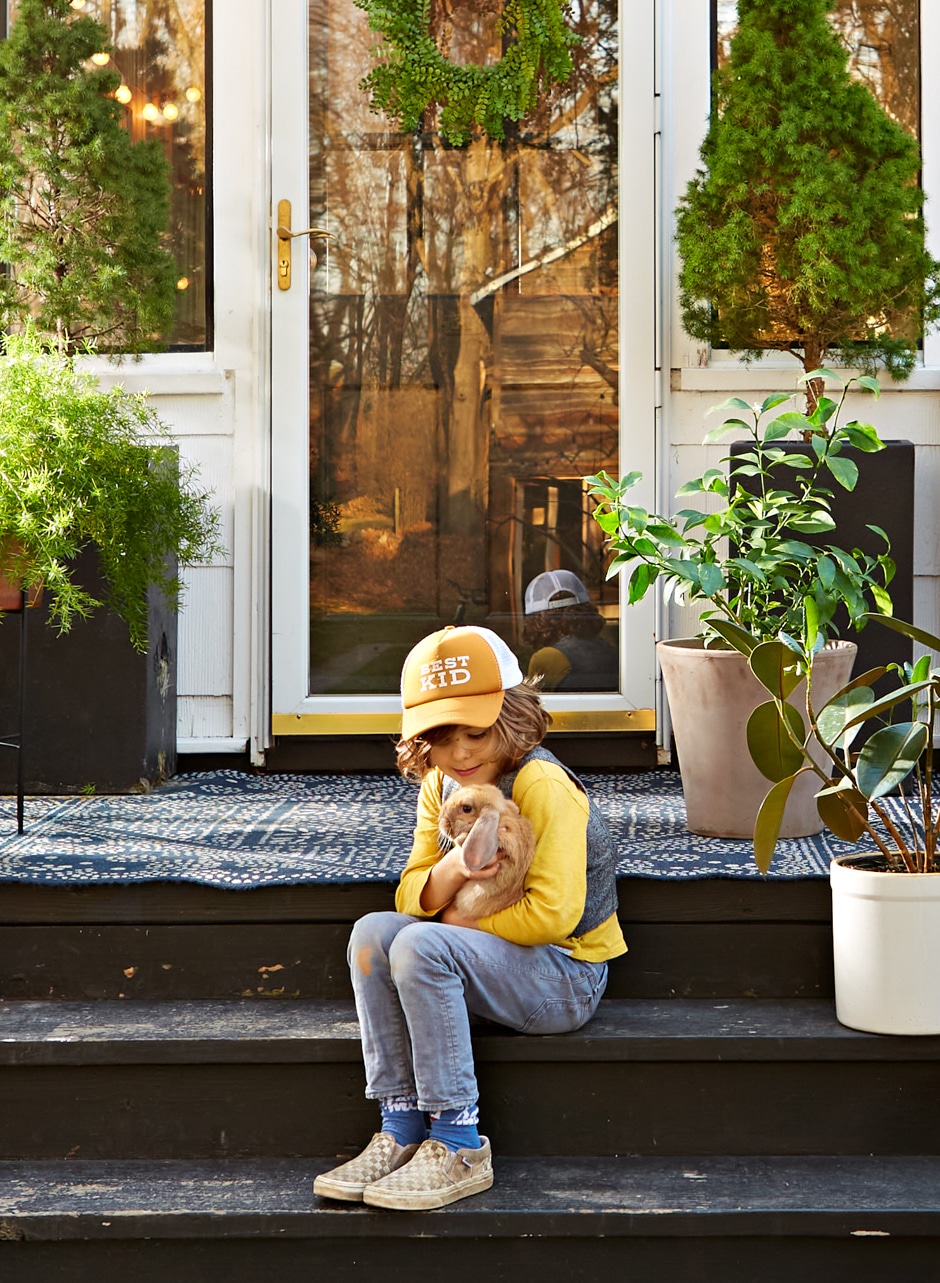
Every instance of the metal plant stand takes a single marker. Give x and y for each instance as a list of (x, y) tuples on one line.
[(15, 740)]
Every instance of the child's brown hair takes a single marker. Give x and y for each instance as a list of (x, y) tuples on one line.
[(520, 727), (547, 626)]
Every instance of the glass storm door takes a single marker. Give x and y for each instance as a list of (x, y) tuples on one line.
[(445, 373)]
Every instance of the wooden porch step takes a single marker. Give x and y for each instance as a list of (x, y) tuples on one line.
[(256, 1031), (280, 1079), (160, 941), (689, 1217)]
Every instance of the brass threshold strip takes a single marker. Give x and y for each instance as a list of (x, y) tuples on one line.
[(635, 719)]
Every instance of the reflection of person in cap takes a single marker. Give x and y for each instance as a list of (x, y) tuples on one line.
[(563, 627), (418, 974)]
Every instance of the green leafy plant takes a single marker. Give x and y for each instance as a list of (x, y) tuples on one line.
[(897, 756), (413, 73), (803, 231), (81, 466), (748, 559), (84, 210)]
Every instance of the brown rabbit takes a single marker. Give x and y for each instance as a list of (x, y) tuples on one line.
[(487, 826)]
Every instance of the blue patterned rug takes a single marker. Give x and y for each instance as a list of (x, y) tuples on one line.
[(235, 830)]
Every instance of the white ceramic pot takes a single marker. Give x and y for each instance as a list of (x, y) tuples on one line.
[(886, 949), (711, 694)]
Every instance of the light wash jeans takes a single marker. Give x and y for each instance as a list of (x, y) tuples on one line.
[(418, 982)]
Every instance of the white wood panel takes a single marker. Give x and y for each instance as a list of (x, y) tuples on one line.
[(930, 148), (206, 633), (168, 372), (927, 512), (641, 319), (242, 205), (927, 616), (902, 412), (926, 612), (289, 480), (215, 464), (686, 104), (200, 717), (725, 373), (189, 415)]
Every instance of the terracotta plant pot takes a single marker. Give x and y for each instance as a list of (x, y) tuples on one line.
[(711, 694), (886, 949), (11, 598)]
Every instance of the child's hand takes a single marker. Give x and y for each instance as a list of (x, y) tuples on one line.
[(478, 875), (444, 881), (447, 877)]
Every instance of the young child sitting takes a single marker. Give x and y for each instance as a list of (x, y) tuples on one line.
[(539, 966)]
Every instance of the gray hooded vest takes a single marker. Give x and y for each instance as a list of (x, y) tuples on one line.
[(601, 898)]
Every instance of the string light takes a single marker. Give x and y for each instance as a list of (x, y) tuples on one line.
[(171, 111), (150, 111), (123, 94), (183, 283), (193, 94), (101, 59)]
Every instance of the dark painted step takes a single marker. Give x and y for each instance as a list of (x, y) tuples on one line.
[(698, 939), (278, 1079), (689, 1218)]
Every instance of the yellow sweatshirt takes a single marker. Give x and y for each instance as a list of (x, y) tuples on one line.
[(553, 902)]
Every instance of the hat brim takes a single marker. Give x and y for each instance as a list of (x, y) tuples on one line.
[(460, 710), (542, 605)]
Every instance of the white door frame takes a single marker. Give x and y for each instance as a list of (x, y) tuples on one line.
[(293, 710)]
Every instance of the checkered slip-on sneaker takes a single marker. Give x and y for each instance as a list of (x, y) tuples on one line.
[(382, 1155), (435, 1176)]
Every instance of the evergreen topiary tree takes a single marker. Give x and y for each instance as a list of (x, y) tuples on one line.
[(804, 232), (84, 210)]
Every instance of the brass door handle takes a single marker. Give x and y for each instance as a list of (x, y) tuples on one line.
[(285, 233), (284, 238)]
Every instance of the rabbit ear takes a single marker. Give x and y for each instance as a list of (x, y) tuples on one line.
[(482, 842)]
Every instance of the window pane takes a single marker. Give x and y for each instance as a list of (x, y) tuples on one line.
[(463, 358), (160, 51)]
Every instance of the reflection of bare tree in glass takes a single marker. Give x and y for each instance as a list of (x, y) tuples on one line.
[(596, 343), (883, 42), (436, 319), (883, 39)]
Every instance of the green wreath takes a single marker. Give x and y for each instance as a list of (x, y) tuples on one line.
[(414, 72)]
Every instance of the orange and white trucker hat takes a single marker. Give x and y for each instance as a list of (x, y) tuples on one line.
[(554, 589), (456, 678)]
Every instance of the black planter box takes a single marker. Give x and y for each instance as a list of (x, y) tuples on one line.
[(884, 496), (99, 715)]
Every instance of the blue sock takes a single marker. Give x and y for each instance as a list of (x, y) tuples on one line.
[(402, 1119), (457, 1128)]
